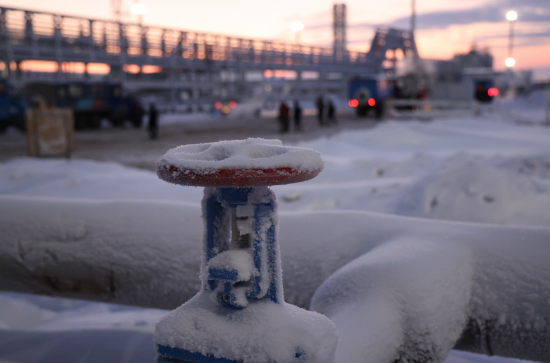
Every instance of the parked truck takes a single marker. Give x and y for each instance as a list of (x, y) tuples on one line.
[(368, 94), (90, 102)]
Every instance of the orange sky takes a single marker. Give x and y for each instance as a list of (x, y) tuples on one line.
[(445, 27)]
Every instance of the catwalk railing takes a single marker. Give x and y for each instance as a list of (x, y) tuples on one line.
[(47, 36)]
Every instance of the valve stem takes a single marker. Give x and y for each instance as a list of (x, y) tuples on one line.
[(240, 241)]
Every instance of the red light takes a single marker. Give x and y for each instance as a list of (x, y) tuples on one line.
[(372, 102), (232, 104), (353, 103), (218, 105), (493, 92)]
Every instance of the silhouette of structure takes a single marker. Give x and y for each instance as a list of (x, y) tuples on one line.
[(190, 67), (339, 30)]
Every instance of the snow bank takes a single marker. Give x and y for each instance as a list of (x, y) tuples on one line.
[(527, 109), (388, 169), (476, 192)]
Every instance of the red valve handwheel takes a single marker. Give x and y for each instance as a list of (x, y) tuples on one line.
[(234, 177)]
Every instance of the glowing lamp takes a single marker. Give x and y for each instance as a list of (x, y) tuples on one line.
[(218, 105), (511, 15), (297, 26), (138, 9), (232, 104), (372, 102), (353, 103)]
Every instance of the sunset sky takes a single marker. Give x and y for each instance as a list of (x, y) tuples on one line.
[(444, 27)]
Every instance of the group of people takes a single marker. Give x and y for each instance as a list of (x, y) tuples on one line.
[(284, 117), (331, 111), (321, 104)]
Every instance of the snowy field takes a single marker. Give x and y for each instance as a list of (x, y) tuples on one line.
[(485, 170)]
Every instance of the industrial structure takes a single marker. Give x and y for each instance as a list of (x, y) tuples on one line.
[(188, 67)]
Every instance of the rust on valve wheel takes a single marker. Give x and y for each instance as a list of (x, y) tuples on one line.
[(234, 177)]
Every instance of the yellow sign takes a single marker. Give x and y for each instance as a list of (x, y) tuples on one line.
[(50, 132)]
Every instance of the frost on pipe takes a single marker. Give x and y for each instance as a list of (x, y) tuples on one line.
[(251, 162), (240, 315), (394, 287)]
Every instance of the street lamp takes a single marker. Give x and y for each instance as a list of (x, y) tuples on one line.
[(297, 27), (139, 10), (511, 16), (510, 62)]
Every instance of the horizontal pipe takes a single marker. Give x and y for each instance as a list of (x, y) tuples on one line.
[(147, 253)]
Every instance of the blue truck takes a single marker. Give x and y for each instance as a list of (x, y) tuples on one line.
[(12, 107), (90, 102), (368, 94), (484, 90)]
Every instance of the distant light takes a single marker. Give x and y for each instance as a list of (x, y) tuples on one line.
[(492, 92), (232, 104), (218, 105), (225, 109), (138, 9), (297, 26), (372, 102), (353, 103), (511, 15), (510, 62)]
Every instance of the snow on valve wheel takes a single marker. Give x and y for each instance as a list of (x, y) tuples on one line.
[(246, 163)]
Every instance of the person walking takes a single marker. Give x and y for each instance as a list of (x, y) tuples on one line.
[(331, 113), (284, 117), (297, 116), (320, 106), (152, 127)]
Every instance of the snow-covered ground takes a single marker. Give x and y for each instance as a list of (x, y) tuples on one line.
[(465, 169), (482, 170)]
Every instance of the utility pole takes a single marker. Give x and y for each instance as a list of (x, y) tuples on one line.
[(339, 31), (116, 10), (511, 16), (413, 16)]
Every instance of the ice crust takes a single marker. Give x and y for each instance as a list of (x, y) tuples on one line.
[(235, 260), (252, 153), (263, 332)]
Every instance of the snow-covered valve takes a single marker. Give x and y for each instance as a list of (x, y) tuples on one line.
[(240, 314)]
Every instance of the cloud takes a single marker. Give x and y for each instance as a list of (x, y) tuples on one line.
[(528, 11)]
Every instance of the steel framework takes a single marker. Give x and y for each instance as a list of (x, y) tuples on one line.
[(197, 63)]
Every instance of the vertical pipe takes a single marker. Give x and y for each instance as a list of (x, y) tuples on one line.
[(238, 240)]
